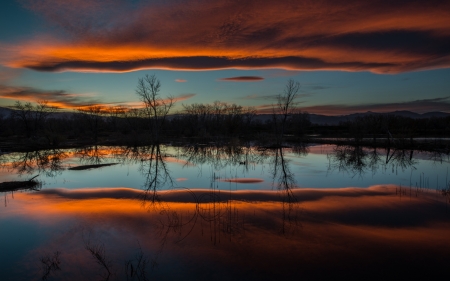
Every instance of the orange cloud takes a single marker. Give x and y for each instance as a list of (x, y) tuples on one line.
[(58, 98), (183, 97), (382, 37), (180, 80), (65, 100)]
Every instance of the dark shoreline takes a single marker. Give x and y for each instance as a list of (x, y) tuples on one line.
[(441, 145)]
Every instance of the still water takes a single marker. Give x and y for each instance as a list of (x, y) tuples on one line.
[(225, 213)]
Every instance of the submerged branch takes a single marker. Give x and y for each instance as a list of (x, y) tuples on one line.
[(19, 185)]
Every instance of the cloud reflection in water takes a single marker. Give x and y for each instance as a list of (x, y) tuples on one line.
[(376, 232)]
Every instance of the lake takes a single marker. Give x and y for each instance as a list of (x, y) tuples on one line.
[(213, 212)]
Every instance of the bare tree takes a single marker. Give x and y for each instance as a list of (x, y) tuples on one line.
[(115, 114), (156, 108), (33, 117), (93, 115), (2, 124), (284, 108)]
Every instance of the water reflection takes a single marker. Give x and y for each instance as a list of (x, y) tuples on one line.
[(48, 162), (50, 264), (93, 154), (155, 171), (216, 209), (355, 161), (211, 233), (358, 160), (361, 230), (285, 182), (222, 156)]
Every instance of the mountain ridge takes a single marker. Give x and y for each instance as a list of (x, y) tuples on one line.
[(318, 119)]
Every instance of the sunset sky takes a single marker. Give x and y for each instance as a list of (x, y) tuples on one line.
[(349, 56)]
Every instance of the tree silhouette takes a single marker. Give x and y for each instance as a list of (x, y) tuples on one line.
[(284, 108), (156, 108), (33, 117)]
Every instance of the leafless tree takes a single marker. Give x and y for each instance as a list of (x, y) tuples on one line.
[(284, 108), (217, 119), (93, 115), (33, 117), (1, 122), (156, 108), (114, 114)]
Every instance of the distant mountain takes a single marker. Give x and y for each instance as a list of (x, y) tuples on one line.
[(435, 114), (5, 112), (335, 120), (315, 118)]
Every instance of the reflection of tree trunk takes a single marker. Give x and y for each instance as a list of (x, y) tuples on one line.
[(286, 184), (156, 172)]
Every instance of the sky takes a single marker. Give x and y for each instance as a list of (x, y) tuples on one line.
[(348, 56)]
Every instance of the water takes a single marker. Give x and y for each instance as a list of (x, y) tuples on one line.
[(222, 213), (321, 166)]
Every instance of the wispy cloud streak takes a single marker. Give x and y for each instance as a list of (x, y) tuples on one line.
[(59, 98), (66, 100)]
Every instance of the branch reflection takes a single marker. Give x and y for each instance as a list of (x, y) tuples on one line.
[(221, 156), (284, 180), (92, 154), (358, 160), (48, 162)]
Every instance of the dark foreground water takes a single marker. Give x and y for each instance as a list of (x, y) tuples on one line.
[(225, 213)]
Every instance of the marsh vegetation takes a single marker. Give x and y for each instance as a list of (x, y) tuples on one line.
[(45, 126)]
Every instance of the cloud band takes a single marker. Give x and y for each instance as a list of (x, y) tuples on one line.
[(381, 36)]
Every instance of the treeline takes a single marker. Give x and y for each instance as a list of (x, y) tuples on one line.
[(42, 124), (389, 129), (396, 127), (96, 124)]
